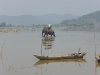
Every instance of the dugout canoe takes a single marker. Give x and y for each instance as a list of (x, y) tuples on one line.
[(65, 56)]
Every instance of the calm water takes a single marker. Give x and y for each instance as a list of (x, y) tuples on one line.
[(17, 51)]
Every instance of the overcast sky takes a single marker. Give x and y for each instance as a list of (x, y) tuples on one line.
[(38, 7)]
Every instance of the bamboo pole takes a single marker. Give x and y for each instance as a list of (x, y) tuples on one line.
[(41, 45), (95, 45)]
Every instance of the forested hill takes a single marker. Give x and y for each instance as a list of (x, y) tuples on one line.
[(89, 19)]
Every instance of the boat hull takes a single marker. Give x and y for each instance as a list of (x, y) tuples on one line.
[(66, 56)]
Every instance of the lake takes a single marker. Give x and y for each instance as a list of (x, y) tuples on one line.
[(17, 49)]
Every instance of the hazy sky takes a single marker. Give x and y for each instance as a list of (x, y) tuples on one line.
[(38, 7)]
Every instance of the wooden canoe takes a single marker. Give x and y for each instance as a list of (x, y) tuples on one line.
[(65, 56), (98, 57)]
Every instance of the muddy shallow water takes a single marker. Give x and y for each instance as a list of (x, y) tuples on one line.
[(17, 51)]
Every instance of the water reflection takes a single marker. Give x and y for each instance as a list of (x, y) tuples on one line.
[(47, 42), (45, 69), (98, 65), (41, 62)]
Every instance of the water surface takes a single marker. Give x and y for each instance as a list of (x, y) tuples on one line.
[(17, 51)]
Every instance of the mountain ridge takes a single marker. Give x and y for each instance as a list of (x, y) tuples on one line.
[(88, 19), (40, 19)]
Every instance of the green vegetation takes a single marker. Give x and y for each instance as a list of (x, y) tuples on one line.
[(89, 19)]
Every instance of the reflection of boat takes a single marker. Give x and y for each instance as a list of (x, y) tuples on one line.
[(98, 57), (98, 65), (65, 56), (40, 62)]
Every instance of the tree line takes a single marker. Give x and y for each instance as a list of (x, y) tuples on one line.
[(2, 24)]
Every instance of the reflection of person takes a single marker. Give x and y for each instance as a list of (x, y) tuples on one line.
[(49, 26)]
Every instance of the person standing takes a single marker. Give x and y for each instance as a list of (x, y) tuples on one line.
[(49, 26)]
